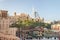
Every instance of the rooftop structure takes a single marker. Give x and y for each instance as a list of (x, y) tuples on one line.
[(3, 13), (5, 30)]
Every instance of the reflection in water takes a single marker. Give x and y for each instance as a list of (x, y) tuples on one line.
[(42, 39)]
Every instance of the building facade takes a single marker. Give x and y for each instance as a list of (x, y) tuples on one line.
[(55, 27), (5, 21), (5, 30)]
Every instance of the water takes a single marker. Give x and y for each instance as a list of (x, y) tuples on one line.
[(42, 39)]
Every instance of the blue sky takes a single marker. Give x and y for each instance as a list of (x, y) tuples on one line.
[(48, 9)]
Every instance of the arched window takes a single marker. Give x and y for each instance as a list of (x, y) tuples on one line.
[(0, 38), (13, 39)]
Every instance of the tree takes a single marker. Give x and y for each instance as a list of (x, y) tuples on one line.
[(29, 24), (47, 25)]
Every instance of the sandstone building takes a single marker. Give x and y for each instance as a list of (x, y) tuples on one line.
[(6, 33)]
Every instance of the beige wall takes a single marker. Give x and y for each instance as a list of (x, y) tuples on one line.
[(12, 31), (4, 25), (55, 27)]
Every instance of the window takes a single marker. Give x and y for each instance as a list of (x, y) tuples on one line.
[(13, 39), (0, 38), (0, 26)]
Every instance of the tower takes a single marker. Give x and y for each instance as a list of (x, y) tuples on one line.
[(36, 15), (3, 13), (14, 13)]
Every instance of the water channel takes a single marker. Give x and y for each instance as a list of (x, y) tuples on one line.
[(42, 39)]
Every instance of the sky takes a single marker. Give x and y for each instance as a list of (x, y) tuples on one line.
[(48, 9)]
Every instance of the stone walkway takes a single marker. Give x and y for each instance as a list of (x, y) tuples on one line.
[(8, 37)]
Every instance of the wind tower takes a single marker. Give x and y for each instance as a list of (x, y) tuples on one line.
[(14, 13), (35, 13), (3, 13)]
